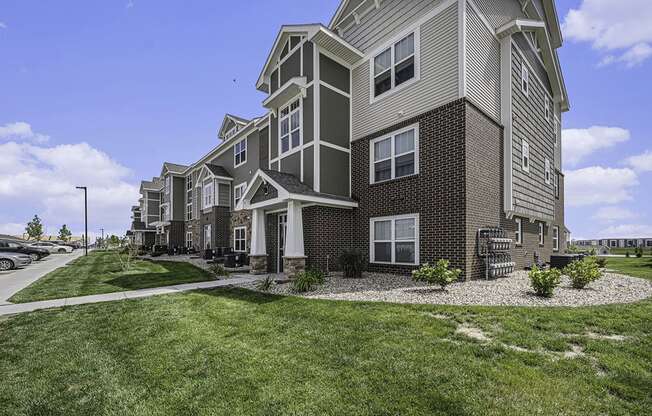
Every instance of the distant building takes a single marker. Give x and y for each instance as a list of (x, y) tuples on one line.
[(616, 242)]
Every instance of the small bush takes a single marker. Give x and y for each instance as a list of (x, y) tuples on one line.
[(639, 252), (218, 270), (627, 254), (440, 274), (602, 262), (353, 264), (266, 284), (583, 272), (306, 281), (544, 282)]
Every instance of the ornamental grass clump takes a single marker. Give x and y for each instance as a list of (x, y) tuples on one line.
[(353, 264), (583, 272), (306, 281), (440, 274), (544, 282)]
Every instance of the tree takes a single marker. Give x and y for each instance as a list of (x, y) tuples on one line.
[(114, 241), (34, 228), (64, 233)]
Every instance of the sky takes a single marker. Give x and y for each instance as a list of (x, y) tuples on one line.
[(101, 93)]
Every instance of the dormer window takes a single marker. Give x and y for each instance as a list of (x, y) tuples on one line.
[(395, 65), (231, 133)]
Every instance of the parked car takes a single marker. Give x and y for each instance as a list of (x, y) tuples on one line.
[(10, 261), (13, 246), (52, 247)]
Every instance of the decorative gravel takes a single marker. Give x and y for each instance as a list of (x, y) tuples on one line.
[(514, 290)]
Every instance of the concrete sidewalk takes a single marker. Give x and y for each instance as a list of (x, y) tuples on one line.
[(10, 309), (14, 281)]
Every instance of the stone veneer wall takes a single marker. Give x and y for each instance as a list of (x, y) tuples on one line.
[(239, 219)]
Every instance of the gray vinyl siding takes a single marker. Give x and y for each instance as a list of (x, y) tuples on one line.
[(273, 142), (308, 61), (309, 166), (274, 82), (533, 59), (334, 171), (274, 166), (334, 74), (309, 116), (179, 199), (292, 164), (500, 12), (437, 86), (532, 196), (263, 151), (482, 65), (382, 23), (335, 116), (291, 67)]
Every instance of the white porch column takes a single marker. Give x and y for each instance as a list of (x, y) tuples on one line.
[(294, 232), (258, 233)]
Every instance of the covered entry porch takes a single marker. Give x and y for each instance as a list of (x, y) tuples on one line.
[(277, 202)]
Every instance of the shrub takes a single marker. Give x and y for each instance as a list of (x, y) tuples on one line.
[(353, 263), (602, 262), (583, 272), (305, 281), (544, 282), (440, 274), (266, 284), (638, 252), (627, 254), (592, 252), (218, 270)]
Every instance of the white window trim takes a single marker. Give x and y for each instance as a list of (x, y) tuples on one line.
[(525, 79), (556, 127), (525, 148), (208, 229), (392, 137), (235, 230), (188, 239), (555, 238), (390, 45), (519, 232), (372, 258), (548, 172), (243, 188), (236, 153), (542, 236), (208, 184), (289, 117)]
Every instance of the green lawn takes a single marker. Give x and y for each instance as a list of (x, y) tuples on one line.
[(619, 250), (101, 272), (637, 267)]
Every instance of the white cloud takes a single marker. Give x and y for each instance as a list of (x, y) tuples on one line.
[(599, 186), (41, 180), (129, 4), (21, 131), (3, 25), (12, 229), (642, 162), (613, 214), (619, 28), (580, 143), (627, 231)]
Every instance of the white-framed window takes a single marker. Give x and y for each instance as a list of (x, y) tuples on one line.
[(208, 236), (189, 197), (548, 172), (525, 79), (167, 185), (232, 131), (547, 110), (240, 239), (395, 240), (395, 156), (208, 192), (518, 235), (189, 239), (555, 238), (542, 236), (240, 153), (525, 151), (290, 126), (238, 193), (395, 65)]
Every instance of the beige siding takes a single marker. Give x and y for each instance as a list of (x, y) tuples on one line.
[(438, 84), (482, 65), (533, 197), (380, 24), (499, 12)]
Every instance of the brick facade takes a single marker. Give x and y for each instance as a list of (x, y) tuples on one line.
[(327, 232)]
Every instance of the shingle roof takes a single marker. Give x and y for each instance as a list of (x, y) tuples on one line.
[(218, 170), (240, 119), (174, 168), (293, 185), (152, 185)]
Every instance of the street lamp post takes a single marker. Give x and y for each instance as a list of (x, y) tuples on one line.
[(85, 218)]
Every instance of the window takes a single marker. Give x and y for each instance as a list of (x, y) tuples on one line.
[(542, 237), (290, 126), (556, 184), (240, 153), (189, 198), (547, 110), (167, 185), (548, 173), (208, 194), (189, 239), (395, 240), (208, 236), (649, 243), (240, 239), (231, 133), (555, 238), (613, 243), (525, 149), (395, 65), (525, 79), (518, 236), (238, 192), (395, 156)]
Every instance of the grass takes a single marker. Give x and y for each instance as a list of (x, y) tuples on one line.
[(647, 251), (101, 272), (637, 267)]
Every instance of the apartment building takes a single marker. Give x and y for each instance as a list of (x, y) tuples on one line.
[(616, 242), (399, 130)]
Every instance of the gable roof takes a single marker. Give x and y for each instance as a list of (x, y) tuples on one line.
[(228, 119), (154, 185), (218, 170), (173, 168)]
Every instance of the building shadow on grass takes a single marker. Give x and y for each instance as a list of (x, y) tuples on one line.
[(152, 280), (241, 294)]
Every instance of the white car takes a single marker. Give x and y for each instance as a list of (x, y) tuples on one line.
[(52, 247)]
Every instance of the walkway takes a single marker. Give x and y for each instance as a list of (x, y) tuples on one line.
[(14, 281), (10, 309)]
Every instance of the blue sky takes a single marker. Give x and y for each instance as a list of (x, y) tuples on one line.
[(102, 92)]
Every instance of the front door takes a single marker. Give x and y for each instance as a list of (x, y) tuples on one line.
[(282, 227)]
